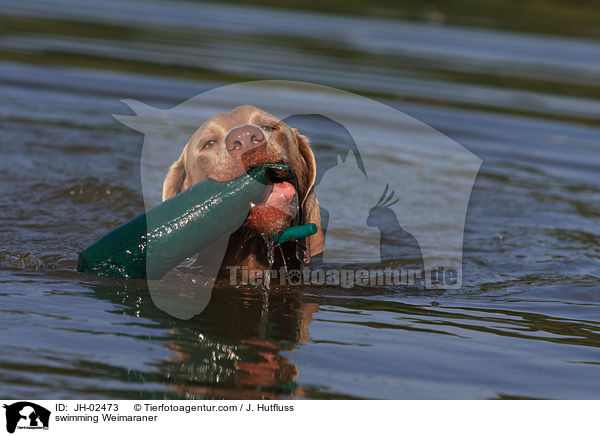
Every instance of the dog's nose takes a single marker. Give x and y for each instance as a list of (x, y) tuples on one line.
[(244, 138)]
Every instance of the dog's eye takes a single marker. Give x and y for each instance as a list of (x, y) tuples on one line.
[(267, 128), (208, 144)]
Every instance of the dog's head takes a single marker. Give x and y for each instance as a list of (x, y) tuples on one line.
[(230, 143)]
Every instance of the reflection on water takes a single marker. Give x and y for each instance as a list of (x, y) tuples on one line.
[(250, 345), (525, 323)]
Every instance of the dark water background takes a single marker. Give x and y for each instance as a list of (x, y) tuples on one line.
[(526, 323)]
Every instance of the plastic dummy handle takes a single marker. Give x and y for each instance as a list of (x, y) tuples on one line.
[(177, 228), (296, 232)]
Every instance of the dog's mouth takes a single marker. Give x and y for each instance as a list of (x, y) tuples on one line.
[(280, 206), (284, 184)]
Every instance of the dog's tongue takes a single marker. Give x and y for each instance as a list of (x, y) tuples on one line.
[(281, 196), (273, 215)]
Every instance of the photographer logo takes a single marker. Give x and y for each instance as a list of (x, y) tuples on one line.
[(24, 415)]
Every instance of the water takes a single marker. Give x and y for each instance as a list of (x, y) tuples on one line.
[(525, 323), (270, 244)]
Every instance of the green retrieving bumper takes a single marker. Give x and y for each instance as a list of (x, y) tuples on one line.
[(296, 232), (153, 243)]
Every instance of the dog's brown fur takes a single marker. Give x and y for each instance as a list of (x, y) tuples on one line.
[(285, 145)]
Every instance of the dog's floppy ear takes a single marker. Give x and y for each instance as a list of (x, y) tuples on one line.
[(176, 179), (315, 244)]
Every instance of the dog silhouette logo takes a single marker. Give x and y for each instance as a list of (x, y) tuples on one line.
[(26, 415)]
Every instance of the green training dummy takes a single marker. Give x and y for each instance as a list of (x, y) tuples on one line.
[(177, 228)]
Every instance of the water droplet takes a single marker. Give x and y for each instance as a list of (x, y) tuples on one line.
[(270, 243)]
